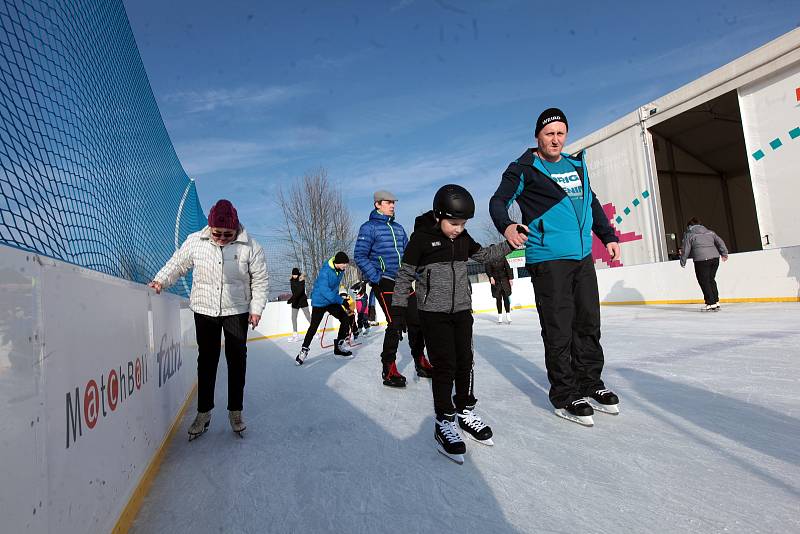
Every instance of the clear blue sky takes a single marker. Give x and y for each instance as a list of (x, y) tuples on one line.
[(408, 95)]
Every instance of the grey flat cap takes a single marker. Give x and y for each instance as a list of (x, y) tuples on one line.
[(383, 195)]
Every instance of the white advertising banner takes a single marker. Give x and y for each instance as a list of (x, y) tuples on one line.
[(92, 377), (770, 111)]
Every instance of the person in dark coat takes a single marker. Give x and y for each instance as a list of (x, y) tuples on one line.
[(501, 277), (298, 300)]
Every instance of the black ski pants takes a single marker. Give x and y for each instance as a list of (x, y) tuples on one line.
[(391, 339), (706, 271), (501, 299), (317, 313), (208, 330), (449, 340), (568, 304)]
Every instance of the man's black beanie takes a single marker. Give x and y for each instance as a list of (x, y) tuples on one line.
[(548, 116), (341, 257)]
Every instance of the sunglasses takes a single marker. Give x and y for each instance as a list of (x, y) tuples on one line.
[(226, 235)]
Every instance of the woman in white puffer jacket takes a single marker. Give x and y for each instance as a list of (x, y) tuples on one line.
[(229, 291)]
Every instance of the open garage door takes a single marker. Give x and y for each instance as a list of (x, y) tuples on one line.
[(703, 172)]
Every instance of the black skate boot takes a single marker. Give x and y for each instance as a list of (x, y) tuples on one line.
[(471, 423), (423, 367), (392, 377), (340, 350), (448, 439), (604, 400), (578, 411), (302, 356)]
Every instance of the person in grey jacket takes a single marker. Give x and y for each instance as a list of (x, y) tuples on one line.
[(436, 256), (705, 248)]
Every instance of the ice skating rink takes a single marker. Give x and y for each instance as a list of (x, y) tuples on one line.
[(708, 439)]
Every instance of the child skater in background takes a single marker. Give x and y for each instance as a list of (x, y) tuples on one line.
[(436, 256), (362, 306)]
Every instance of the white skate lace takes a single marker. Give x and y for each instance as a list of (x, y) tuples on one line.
[(602, 391), (579, 402), (449, 431), (472, 420)]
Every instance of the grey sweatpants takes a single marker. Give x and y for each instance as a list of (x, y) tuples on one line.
[(294, 317)]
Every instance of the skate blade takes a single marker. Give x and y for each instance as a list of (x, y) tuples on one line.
[(240, 433), (612, 409), (585, 420), (193, 437), (489, 442), (457, 458)]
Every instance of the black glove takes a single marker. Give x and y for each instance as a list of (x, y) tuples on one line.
[(399, 318)]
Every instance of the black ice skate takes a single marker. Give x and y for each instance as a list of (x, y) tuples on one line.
[(199, 425), (392, 377), (475, 428), (340, 350), (448, 439), (237, 423), (578, 411), (302, 356), (423, 367), (604, 400)]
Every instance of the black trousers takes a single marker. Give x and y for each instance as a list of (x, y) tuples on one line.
[(208, 330), (705, 271), (568, 304), (317, 314), (501, 299), (391, 339), (449, 340)]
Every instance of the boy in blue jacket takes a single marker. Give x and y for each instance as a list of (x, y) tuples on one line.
[(325, 298)]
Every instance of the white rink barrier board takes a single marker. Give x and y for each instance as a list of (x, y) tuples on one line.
[(94, 371)]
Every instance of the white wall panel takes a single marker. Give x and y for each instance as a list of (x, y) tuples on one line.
[(771, 116)]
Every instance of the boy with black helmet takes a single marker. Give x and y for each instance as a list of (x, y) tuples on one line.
[(436, 256)]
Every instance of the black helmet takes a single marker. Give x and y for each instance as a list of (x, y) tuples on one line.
[(453, 202)]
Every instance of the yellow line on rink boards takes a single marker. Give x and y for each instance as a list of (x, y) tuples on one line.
[(131, 510)]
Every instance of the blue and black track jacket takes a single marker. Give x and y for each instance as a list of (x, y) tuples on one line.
[(556, 231)]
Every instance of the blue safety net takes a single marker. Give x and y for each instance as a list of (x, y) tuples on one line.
[(88, 173)]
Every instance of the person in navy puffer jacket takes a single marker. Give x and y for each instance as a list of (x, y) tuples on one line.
[(379, 249)]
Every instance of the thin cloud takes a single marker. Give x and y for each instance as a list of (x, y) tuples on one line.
[(245, 97)]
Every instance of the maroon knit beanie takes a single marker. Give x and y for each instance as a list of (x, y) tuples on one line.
[(223, 215)]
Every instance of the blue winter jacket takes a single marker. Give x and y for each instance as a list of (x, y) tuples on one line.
[(379, 247), (556, 231), (326, 287)]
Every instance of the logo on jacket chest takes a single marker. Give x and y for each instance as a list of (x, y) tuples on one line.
[(436, 243)]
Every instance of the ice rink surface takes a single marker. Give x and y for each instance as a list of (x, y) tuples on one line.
[(708, 439)]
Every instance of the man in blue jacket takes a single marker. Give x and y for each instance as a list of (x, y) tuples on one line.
[(325, 298), (379, 249), (560, 211)]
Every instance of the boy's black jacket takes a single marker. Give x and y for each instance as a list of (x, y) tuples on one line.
[(439, 265)]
